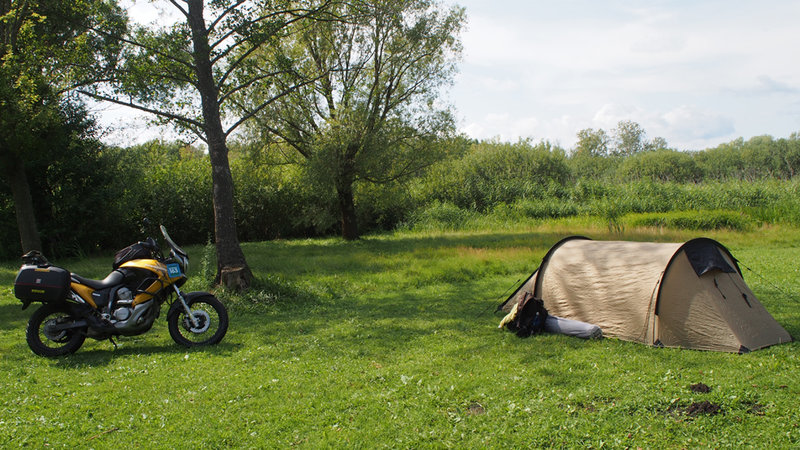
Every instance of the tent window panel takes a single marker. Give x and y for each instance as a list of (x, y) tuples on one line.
[(704, 257)]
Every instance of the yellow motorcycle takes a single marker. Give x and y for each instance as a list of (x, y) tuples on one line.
[(126, 303)]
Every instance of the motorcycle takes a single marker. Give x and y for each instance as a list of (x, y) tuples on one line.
[(125, 303)]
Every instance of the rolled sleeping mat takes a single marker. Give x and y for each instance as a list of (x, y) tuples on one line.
[(571, 327)]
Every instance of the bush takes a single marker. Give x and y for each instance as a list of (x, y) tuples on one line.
[(381, 207), (692, 220), (439, 217), (271, 202), (661, 165), (540, 209), (492, 173)]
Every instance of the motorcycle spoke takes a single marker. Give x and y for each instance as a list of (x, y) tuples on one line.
[(207, 323)]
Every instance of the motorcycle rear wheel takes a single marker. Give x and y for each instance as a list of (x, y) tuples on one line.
[(212, 321), (45, 341)]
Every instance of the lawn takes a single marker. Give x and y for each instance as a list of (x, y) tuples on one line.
[(391, 341)]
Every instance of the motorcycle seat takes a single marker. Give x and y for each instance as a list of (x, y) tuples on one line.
[(113, 279)]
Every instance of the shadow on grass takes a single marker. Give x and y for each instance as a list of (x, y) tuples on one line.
[(12, 316), (459, 298), (98, 357), (332, 257)]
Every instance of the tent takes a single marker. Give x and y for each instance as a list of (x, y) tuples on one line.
[(687, 295)]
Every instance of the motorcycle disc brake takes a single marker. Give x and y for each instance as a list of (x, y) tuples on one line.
[(203, 322)]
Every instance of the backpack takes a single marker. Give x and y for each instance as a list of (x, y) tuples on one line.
[(531, 315), (138, 250)]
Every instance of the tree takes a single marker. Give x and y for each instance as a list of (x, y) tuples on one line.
[(591, 142), (629, 138), (188, 73), (367, 108), (657, 143), (47, 48)]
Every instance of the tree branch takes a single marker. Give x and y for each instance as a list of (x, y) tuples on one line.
[(180, 8), (130, 104), (222, 15), (259, 108), (246, 84), (137, 44)]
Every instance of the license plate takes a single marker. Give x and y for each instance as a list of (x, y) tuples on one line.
[(173, 270)]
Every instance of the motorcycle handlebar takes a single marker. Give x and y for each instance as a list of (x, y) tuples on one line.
[(149, 243)]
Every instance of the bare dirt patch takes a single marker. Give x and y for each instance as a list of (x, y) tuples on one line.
[(704, 407)]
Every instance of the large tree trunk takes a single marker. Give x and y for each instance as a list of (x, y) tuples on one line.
[(348, 211), (344, 191), (232, 268), (23, 204)]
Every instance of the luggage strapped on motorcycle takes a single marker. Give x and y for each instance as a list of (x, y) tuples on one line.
[(139, 250), (39, 281)]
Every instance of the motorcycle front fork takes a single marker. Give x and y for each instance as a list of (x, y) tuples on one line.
[(192, 318)]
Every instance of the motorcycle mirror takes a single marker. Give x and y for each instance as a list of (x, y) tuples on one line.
[(145, 226)]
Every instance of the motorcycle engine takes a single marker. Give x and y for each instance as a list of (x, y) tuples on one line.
[(122, 313), (123, 303), (131, 320), (124, 296), (123, 310)]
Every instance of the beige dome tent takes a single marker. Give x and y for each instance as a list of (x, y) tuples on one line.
[(688, 295)]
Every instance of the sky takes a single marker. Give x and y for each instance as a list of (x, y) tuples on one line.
[(696, 73)]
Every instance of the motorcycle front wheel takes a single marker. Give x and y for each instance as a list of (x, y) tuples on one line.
[(209, 326), (44, 337)]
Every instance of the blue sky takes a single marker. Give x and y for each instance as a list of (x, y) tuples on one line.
[(697, 73)]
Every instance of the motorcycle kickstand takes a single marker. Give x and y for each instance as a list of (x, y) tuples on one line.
[(111, 338)]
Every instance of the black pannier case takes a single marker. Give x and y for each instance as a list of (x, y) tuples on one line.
[(42, 284)]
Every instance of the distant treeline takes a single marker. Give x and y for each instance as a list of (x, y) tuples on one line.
[(95, 198)]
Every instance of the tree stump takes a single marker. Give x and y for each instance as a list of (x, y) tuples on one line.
[(236, 278)]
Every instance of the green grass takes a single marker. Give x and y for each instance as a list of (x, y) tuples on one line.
[(692, 220), (391, 342)]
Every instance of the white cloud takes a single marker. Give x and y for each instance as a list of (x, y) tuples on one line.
[(695, 73), (609, 115), (689, 123)]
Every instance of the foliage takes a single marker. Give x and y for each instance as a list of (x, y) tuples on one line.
[(591, 142), (661, 165), (440, 217), (629, 138), (47, 48), (491, 173), (758, 158), (693, 220), (69, 185), (169, 182)]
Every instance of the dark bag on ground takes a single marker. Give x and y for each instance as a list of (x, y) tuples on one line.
[(531, 316), (41, 284)]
